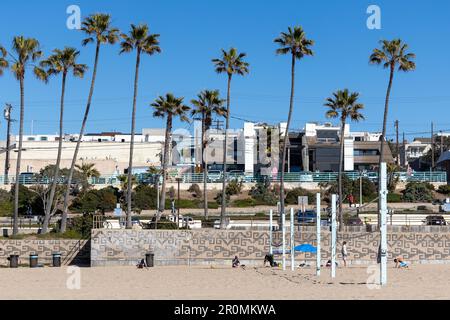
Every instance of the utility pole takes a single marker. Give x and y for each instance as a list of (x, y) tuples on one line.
[(432, 146), (7, 115), (398, 147), (442, 142), (218, 125)]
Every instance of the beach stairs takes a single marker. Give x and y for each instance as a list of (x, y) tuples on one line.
[(79, 254)]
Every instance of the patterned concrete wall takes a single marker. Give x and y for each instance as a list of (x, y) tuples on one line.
[(72, 251), (127, 247)]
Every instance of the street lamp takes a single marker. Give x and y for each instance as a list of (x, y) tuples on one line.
[(178, 203)]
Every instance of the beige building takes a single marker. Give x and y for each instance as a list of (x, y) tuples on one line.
[(109, 157)]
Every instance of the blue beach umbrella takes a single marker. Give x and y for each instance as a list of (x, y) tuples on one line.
[(306, 248)]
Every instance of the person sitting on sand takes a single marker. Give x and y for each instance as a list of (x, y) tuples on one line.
[(141, 264), (269, 259), (400, 264), (328, 265), (236, 262)]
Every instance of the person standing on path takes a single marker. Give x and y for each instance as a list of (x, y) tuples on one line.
[(344, 253)]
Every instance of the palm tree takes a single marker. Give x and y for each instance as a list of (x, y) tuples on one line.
[(3, 61), (99, 30), (142, 41), (392, 54), (60, 62), (343, 105), (88, 170), (25, 53), (293, 42), (168, 107), (230, 63), (207, 103), (4, 64)]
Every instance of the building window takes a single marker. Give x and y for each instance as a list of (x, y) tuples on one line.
[(31, 139), (44, 139), (361, 153)]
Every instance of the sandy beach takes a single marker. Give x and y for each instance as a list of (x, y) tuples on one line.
[(183, 283)]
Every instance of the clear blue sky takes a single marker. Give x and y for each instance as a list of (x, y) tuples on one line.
[(193, 32)]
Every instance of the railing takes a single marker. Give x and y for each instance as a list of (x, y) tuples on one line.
[(317, 177), (291, 177)]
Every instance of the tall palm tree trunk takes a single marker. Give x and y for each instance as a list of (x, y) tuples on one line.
[(19, 158), (285, 142), (205, 167), (133, 129), (48, 207), (167, 144), (341, 169), (77, 148), (383, 135), (225, 144), (8, 145), (386, 111)]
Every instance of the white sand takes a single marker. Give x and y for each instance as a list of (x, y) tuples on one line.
[(420, 282)]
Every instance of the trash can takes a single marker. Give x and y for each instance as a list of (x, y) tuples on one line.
[(150, 259), (13, 261), (56, 260), (33, 260)]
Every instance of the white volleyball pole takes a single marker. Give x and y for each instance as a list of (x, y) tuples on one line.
[(318, 219), (333, 236), (283, 223), (383, 225), (292, 241), (271, 232)]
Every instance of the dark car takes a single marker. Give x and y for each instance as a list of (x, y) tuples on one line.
[(354, 221), (306, 217), (435, 221)]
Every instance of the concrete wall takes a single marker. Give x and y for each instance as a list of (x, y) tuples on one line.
[(72, 251), (216, 247)]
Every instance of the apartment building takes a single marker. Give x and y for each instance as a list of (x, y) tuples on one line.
[(109, 151)]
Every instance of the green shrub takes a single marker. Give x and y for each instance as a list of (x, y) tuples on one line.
[(104, 200), (195, 190), (418, 192), (369, 189), (144, 198), (244, 203), (80, 226), (394, 198), (218, 198), (6, 204), (234, 187), (292, 196), (263, 193), (444, 189)]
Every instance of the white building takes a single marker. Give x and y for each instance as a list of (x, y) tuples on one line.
[(414, 150), (108, 151)]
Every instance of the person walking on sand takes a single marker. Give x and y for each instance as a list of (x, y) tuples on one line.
[(344, 253)]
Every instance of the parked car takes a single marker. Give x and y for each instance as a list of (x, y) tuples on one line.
[(306, 178), (435, 221), (215, 176), (236, 175), (306, 217), (354, 221)]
